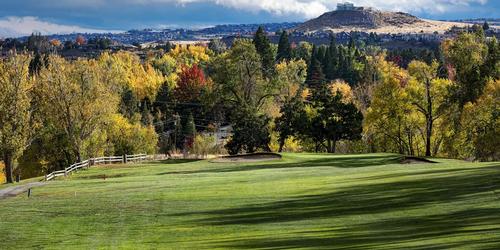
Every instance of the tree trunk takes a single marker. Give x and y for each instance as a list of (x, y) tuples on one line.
[(7, 157), (429, 120), (428, 137), (282, 144), (329, 146), (78, 156)]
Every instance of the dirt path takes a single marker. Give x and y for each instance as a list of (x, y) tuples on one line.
[(16, 190)]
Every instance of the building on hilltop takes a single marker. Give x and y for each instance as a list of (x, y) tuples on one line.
[(348, 6)]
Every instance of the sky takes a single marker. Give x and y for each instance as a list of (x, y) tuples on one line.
[(23, 17)]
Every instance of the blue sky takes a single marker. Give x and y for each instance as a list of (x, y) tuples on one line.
[(62, 16)]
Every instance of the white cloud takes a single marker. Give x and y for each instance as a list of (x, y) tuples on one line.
[(313, 8), (420, 6), (24, 26), (279, 7), (305, 9)]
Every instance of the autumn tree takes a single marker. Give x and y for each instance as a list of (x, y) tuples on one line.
[(244, 90), (292, 119), (130, 136), (80, 40), (391, 118), (478, 140), (189, 55), (126, 71), (190, 84), (464, 58), (17, 119), (76, 100), (428, 94)]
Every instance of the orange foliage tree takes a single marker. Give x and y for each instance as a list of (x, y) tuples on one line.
[(190, 84)]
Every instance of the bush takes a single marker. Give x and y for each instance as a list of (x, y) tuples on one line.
[(204, 145), (131, 137)]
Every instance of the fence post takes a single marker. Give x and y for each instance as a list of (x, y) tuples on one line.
[(125, 158), (45, 177)]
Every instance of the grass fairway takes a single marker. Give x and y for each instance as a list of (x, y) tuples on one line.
[(302, 201)]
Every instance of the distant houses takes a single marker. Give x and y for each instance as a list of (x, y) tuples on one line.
[(347, 6)]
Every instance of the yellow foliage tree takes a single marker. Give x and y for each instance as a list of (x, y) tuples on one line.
[(344, 89), (126, 70), (391, 121), (480, 133), (189, 55), (130, 137), (290, 76), (76, 100), (16, 112), (428, 95)]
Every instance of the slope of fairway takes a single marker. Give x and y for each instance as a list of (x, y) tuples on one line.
[(301, 201)]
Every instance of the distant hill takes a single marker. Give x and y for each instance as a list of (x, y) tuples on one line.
[(365, 18), (371, 20)]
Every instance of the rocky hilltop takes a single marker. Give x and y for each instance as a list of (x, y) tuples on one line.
[(359, 18)]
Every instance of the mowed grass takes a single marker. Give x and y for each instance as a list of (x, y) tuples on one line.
[(302, 201)]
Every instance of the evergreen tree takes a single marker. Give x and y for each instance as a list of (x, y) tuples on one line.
[(352, 43), (321, 55), (310, 63), (284, 48), (293, 119), (486, 26), (335, 119), (36, 64), (189, 131), (330, 60), (315, 75), (263, 47), (250, 131)]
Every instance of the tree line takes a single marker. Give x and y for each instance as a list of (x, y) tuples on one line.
[(285, 97)]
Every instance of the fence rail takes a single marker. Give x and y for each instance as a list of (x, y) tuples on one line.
[(96, 161)]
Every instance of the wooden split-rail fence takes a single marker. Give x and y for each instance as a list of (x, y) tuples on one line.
[(96, 161)]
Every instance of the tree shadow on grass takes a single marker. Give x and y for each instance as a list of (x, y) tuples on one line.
[(322, 161), (371, 199), (393, 233), (175, 161)]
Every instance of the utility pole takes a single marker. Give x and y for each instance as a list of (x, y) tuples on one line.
[(176, 124)]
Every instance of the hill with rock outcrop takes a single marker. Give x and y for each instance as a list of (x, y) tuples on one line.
[(371, 20)]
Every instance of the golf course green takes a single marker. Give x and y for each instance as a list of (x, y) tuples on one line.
[(314, 201)]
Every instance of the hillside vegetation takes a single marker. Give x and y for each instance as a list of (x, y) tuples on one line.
[(302, 201)]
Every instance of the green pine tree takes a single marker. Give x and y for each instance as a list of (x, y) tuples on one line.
[(315, 77), (263, 47), (284, 48)]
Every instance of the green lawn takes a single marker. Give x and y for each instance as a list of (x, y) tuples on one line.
[(302, 201)]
